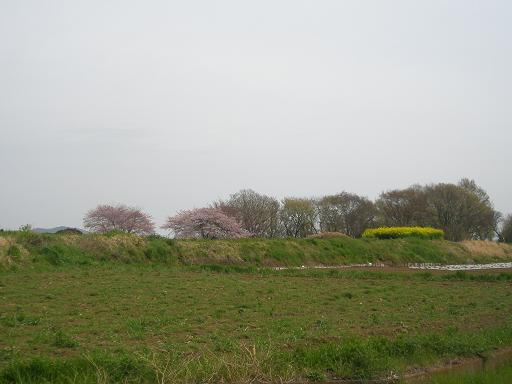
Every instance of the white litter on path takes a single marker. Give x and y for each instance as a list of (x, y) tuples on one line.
[(460, 267), (425, 266), (331, 266)]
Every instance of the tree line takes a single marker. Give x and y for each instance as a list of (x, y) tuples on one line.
[(463, 211)]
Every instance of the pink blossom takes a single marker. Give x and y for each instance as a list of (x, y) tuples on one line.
[(105, 218), (207, 223)]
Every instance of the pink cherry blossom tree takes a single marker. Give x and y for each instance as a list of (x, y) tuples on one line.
[(105, 218), (204, 223)]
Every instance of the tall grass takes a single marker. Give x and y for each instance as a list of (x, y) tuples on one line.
[(349, 358)]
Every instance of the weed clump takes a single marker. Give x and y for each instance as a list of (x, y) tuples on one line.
[(61, 340)]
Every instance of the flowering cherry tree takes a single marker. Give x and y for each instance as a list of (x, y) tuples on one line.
[(105, 218), (206, 223)]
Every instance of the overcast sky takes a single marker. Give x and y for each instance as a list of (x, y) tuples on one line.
[(169, 105)]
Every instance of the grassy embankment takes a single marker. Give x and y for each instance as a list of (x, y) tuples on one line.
[(28, 248)]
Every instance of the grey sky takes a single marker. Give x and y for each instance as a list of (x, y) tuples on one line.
[(170, 105)]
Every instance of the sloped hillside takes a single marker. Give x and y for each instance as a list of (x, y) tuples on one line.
[(26, 248)]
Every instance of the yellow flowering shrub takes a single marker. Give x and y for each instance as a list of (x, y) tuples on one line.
[(401, 232)]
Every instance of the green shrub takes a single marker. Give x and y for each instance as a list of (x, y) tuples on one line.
[(61, 254), (161, 250), (29, 238), (402, 232)]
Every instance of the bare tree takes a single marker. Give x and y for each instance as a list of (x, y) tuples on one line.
[(347, 213), (463, 210), (205, 223), (405, 207), (105, 218), (298, 217), (256, 213), (506, 229), (460, 212)]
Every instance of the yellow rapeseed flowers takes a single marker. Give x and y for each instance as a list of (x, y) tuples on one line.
[(400, 232)]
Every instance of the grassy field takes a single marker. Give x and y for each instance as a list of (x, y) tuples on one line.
[(121, 308), (144, 323)]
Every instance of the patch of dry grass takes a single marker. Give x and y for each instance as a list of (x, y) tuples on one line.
[(205, 251), (4, 241), (479, 248), (11, 253)]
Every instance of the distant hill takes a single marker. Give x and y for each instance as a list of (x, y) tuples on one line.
[(56, 229)]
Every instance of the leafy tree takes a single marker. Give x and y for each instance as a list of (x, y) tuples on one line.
[(298, 217), (347, 213), (106, 218), (489, 219), (204, 223), (472, 187)]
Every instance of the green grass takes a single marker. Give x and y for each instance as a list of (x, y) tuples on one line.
[(28, 249), (142, 323), (121, 308), (499, 375)]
